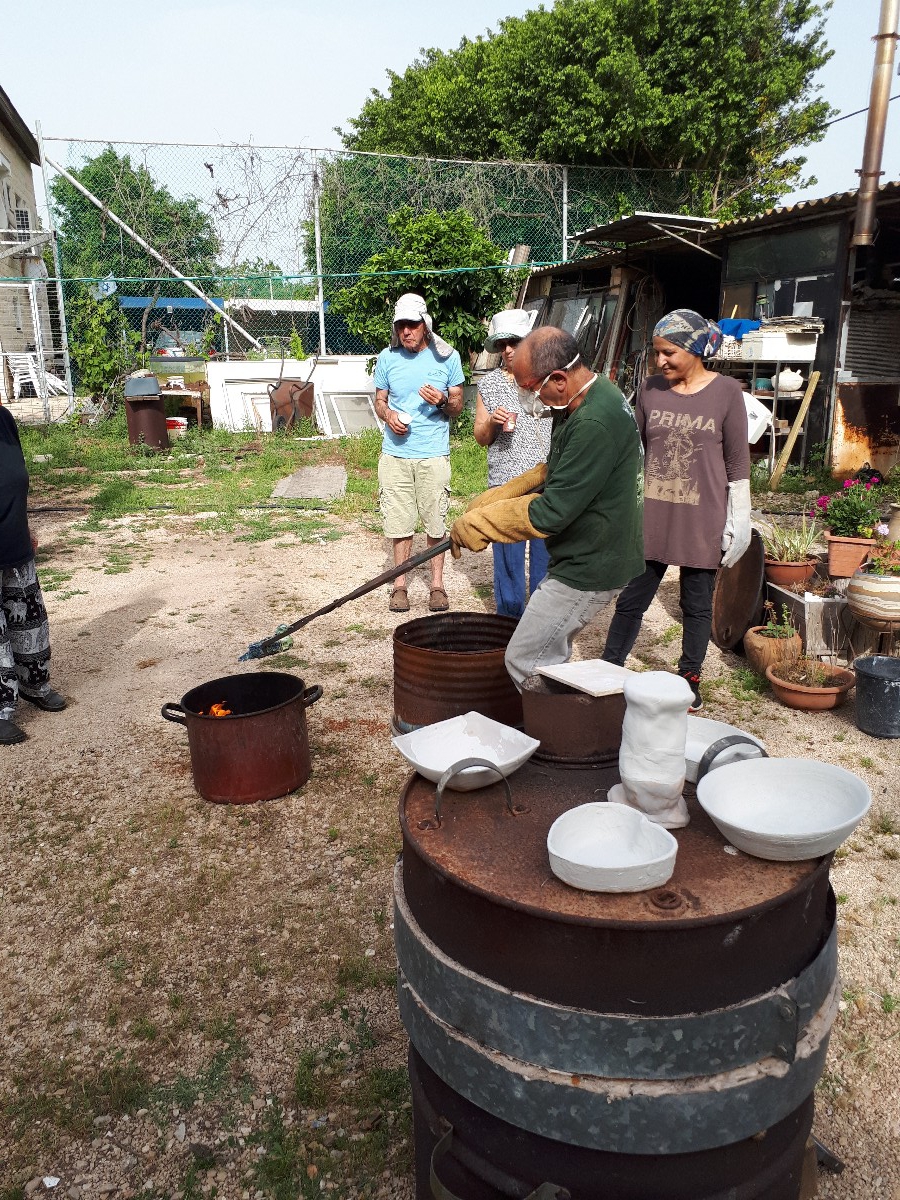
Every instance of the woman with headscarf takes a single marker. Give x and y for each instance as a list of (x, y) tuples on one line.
[(515, 442), (24, 631), (693, 424)]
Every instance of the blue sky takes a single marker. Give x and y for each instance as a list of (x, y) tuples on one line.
[(285, 72)]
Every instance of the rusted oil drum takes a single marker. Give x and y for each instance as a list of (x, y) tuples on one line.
[(661, 1045), (452, 663), (574, 729)]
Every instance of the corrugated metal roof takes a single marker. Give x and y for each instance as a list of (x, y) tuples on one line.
[(837, 203), (642, 227)]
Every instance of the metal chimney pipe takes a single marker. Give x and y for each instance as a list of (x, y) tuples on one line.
[(886, 45)]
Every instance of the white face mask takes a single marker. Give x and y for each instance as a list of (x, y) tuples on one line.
[(530, 400)]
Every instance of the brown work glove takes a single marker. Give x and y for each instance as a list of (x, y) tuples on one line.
[(505, 521), (520, 485)]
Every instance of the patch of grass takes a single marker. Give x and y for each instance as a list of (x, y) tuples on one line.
[(483, 591), (358, 973), (842, 897), (884, 823), (362, 1132), (117, 562), (889, 1003), (217, 1077), (50, 1098), (669, 635), (745, 684), (865, 761)]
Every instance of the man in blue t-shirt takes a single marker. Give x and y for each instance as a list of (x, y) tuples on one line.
[(418, 388)]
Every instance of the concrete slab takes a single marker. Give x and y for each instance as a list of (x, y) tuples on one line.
[(312, 483)]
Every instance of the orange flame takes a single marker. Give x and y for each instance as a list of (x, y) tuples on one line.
[(216, 710)]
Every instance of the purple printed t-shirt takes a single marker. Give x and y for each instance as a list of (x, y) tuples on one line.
[(695, 446)]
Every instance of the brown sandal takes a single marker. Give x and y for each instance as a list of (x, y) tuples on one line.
[(399, 600), (438, 601)]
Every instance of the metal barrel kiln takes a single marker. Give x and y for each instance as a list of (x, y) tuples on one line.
[(451, 664), (662, 1044)]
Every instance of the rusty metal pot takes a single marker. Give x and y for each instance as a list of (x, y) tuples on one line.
[(574, 729), (259, 751), (452, 664)]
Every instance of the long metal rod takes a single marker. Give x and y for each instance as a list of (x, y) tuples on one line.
[(687, 242), (873, 149), (320, 294), (57, 267), (79, 186), (364, 589)]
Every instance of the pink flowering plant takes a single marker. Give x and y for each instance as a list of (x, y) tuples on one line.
[(854, 511)]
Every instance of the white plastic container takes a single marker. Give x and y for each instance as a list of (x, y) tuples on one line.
[(759, 418), (774, 345), (177, 426)]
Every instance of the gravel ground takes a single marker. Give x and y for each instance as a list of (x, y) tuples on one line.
[(197, 999)]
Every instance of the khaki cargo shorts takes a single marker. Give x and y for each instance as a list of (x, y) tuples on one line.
[(413, 489)]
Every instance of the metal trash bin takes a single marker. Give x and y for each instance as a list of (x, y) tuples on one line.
[(878, 695), (145, 411)]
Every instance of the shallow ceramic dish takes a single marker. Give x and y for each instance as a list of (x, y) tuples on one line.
[(702, 732), (610, 848), (434, 748), (594, 676), (784, 808)]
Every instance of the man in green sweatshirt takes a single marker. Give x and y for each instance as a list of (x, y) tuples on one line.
[(589, 510)]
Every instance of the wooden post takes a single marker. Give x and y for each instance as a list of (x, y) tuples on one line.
[(795, 429)]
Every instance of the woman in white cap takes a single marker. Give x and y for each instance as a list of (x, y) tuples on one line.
[(515, 442)]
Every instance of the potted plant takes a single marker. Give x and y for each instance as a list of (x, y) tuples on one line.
[(850, 515), (809, 684), (775, 642), (789, 552), (873, 593)]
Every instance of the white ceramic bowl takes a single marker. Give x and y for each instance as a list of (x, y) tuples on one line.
[(784, 808), (702, 732), (610, 848), (434, 748)]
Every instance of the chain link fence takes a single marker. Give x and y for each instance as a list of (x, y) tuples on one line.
[(271, 233)]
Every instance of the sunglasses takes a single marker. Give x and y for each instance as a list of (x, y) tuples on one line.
[(501, 345)]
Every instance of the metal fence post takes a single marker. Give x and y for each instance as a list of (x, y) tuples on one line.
[(565, 214), (320, 294), (57, 268)]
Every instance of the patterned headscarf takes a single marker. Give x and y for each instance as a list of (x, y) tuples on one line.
[(688, 329)]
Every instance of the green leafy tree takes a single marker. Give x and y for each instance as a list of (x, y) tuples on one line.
[(458, 300), (92, 246), (101, 344), (720, 87)]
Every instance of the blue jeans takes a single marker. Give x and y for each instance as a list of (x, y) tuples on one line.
[(509, 574)]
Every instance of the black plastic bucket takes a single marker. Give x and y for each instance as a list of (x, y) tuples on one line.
[(878, 695)]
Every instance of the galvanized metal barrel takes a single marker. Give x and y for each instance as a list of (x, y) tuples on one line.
[(655, 1046), (453, 663)]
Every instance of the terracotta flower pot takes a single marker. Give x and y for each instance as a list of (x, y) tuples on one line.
[(783, 574), (813, 699), (846, 554), (762, 651), (875, 599)]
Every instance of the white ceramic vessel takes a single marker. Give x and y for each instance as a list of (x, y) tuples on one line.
[(610, 848), (434, 748), (654, 733), (786, 809)]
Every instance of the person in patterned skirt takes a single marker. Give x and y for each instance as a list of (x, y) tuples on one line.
[(24, 630), (515, 442)]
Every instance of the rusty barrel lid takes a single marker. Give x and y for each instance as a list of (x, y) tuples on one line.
[(726, 926), (737, 595)]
